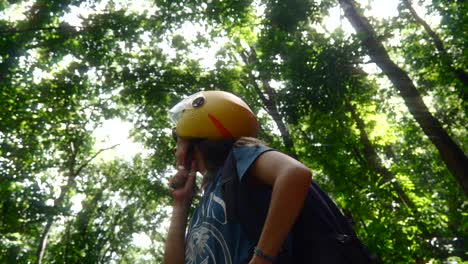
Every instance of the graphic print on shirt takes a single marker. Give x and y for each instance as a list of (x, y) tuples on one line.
[(205, 237)]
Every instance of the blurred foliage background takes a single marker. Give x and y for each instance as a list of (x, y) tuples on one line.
[(371, 95)]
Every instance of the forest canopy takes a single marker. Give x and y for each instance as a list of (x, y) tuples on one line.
[(371, 95)]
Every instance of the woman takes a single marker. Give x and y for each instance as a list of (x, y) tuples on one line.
[(209, 126)]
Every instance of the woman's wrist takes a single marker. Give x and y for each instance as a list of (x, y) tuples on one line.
[(180, 206), (260, 255), (258, 260)]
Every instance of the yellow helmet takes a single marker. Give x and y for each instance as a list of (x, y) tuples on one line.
[(213, 115)]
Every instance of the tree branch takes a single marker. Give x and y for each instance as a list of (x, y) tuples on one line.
[(460, 74), (92, 158), (17, 31)]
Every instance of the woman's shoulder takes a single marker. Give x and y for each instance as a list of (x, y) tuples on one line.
[(246, 152)]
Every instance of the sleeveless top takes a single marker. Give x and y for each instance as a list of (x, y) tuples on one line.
[(211, 239)]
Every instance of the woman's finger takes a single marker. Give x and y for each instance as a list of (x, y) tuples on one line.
[(191, 177), (181, 151)]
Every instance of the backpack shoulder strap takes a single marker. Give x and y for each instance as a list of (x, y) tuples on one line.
[(229, 186), (240, 207)]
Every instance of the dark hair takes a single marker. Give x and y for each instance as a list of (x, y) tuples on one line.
[(215, 152)]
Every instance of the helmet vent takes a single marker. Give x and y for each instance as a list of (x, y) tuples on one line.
[(198, 102)]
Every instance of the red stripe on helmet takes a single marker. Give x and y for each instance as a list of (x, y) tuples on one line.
[(224, 132)]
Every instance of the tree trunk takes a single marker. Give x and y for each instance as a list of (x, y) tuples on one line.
[(374, 161), (43, 240), (460, 74), (450, 153), (50, 220), (73, 171), (270, 104)]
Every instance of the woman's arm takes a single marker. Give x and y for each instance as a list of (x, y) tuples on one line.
[(174, 252), (290, 182)]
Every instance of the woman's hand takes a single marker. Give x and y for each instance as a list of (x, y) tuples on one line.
[(184, 182), (181, 152)]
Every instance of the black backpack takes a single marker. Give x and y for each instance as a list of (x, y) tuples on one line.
[(321, 234)]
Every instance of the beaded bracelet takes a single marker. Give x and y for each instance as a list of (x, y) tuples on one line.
[(259, 253)]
